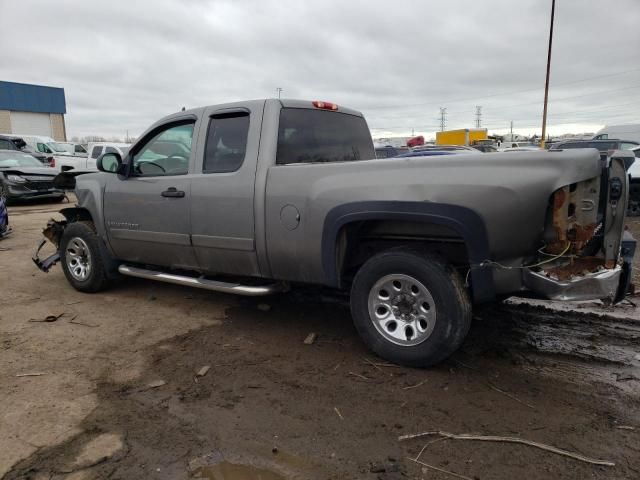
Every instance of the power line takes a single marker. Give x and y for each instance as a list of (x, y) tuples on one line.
[(578, 115), (379, 107)]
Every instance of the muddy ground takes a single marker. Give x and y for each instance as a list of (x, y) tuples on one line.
[(110, 389)]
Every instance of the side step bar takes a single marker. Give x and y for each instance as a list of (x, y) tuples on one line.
[(201, 282)]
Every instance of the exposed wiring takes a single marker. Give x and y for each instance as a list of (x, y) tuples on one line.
[(486, 263), (554, 255), (548, 260)]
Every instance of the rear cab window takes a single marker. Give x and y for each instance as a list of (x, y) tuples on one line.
[(226, 142), (320, 136)]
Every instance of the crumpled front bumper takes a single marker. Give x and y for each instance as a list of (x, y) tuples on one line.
[(607, 284)]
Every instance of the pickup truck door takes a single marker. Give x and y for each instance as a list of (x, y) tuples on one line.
[(222, 192), (147, 212)]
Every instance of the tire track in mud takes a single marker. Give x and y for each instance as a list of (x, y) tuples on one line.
[(575, 346)]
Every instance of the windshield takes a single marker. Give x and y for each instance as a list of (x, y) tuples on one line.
[(62, 147), (57, 147), (17, 159)]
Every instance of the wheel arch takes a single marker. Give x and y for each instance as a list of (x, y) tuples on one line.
[(466, 223), (76, 214)]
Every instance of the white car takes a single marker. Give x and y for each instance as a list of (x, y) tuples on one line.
[(629, 131), (96, 149), (75, 149)]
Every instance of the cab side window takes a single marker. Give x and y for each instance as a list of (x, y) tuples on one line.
[(166, 153), (226, 142), (95, 151)]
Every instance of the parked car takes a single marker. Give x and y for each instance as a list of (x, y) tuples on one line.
[(11, 142), (505, 145), (428, 153), (62, 159), (389, 151), (446, 148), (433, 150), (96, 149), (630, 131), (528, 148), (23, 177), (283, 192), (72, 148), (485, 148), (88, 162), (603, 146), (42, 144)]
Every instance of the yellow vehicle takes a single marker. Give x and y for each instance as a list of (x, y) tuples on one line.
[(464, 136)]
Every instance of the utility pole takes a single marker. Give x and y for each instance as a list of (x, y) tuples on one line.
[(546, 83), (443, 118), (511, 128), (412, 132), (478, 116), (279, 90)]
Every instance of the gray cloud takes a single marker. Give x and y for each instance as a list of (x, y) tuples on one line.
[(125, 64)]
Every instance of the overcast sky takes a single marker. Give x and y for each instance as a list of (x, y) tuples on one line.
[(123, 65)]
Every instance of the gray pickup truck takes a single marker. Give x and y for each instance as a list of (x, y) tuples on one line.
[(255, 197)]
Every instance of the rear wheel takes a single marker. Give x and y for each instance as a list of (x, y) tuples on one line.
[(410, 308), (82, 260)]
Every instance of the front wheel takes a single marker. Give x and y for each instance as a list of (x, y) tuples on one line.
[(410, 308), (82, 260)]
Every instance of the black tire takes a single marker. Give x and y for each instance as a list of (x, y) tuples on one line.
[(96, 278), (447, 293)]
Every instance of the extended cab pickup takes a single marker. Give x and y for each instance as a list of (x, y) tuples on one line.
[(255, 197)]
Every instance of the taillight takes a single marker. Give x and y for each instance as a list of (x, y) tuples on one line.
[(325, 105), (52, 161)]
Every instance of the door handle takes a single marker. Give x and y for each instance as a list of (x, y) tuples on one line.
[(172, 192)]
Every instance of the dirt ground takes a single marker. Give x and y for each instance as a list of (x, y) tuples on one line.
[(110, 389)]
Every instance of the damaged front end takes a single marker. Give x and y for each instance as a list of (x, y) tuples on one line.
[(54, 229), (587, 253), (52, 233)]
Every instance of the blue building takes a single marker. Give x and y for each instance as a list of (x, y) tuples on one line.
[(32, 110)]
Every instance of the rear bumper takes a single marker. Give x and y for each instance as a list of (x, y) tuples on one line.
[(610, 284)]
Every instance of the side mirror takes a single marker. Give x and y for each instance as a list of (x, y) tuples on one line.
[(109, 162)]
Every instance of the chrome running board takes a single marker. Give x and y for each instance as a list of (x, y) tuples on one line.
[(201, 282)]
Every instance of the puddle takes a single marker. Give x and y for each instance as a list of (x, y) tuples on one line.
[(232, 471)]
